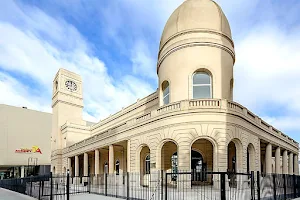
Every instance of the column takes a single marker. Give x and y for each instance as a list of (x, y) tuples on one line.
[(296, 164), (291, 163), (269, 159), (285, 162), (69, 166), (85, 164), (97, 160), (128, 156), (76, 166), (22, 172), (277, 161), (111, 159)]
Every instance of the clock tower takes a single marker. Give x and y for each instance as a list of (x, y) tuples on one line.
[(67, 105)]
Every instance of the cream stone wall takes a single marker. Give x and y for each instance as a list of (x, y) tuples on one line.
[(24, 128), (219, 123)]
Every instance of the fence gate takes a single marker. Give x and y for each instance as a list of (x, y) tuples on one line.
[(202, 185)]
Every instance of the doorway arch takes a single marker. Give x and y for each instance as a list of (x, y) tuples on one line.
[(202, 160), (250, 158)]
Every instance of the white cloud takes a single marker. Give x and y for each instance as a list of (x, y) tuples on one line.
[(28, 51), (143, 63), (267, 75), (266, 69)]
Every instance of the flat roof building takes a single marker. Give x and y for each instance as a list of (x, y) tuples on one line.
[(25, 147)]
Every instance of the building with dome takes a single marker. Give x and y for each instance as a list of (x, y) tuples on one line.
[(190, 123)]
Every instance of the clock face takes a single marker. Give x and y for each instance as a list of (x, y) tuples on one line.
[(70, 85)]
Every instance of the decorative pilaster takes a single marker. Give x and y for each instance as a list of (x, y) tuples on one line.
[(128, 155)]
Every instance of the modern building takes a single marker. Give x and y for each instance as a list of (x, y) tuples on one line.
[(25, 147), (190, 123)]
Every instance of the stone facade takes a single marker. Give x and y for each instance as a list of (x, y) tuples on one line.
[(172, 127)]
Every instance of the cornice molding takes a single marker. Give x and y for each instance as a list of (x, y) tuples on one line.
[(193, 44), (162, 46)]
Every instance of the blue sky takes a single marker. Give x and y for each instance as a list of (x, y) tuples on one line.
[(113, 45)]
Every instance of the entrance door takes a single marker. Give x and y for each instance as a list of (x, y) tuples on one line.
[(198, 168)]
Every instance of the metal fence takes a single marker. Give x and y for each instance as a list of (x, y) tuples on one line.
[(45, 187), (277, 186), (160, 185)]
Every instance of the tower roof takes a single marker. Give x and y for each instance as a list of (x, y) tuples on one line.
[(194, 15)]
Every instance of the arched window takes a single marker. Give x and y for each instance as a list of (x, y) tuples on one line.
[(147, 164), (117, 167), (105, 168), (202, 86), (166, 92)]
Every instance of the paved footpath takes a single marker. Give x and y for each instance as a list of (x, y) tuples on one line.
[(89, 197), (10, 195)]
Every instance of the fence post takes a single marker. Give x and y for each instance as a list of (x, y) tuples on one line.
[(258, 185), (166, 186), (274, 184), (51, 187), (68, 185), (127, 180), (162, 184), (40, 185), (30, 186), (223, 185), (252, 186), (284, 186), (89, 183), (295, 187), (105, 184)]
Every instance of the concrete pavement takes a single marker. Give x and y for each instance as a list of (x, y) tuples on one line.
[(10, 195), (90, 197)]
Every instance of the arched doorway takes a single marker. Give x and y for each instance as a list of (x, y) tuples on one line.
[(198, 168), (144, 165), (144, 158), (250, 158), (169, 159), (231, 157), (202, 156)]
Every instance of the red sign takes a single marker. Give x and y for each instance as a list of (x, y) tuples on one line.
[(34, 149)]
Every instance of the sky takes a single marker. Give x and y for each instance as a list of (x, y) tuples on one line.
[(114, 44)]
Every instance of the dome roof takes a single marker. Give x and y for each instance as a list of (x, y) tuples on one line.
[(196, 15)]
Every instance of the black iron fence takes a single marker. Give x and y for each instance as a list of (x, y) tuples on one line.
[(192, 185), (52, 187), (277, 186)]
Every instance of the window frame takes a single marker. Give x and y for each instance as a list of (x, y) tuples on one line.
[(201, 85), (163, 89)]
